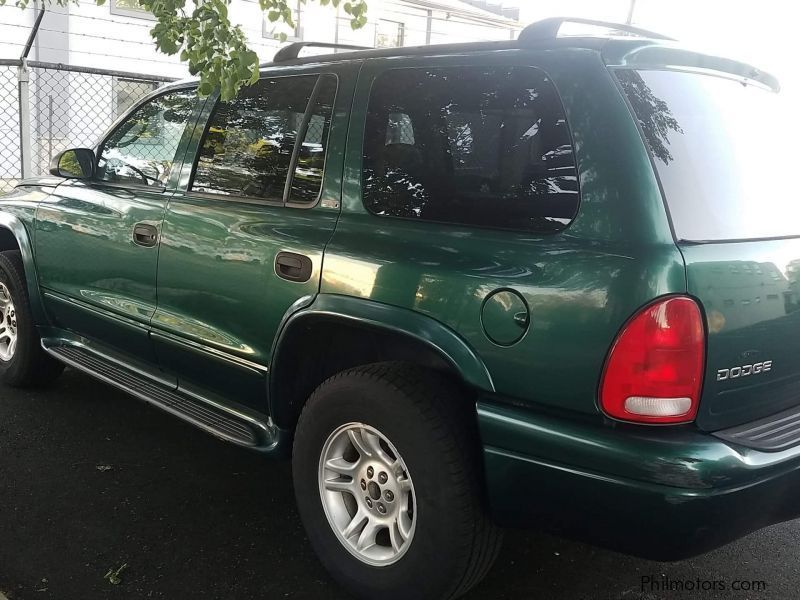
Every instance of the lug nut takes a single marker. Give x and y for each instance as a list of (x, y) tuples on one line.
[(369, 501), (388, 495), (381, 508), (370, 472), (363, 485), (383, 477)]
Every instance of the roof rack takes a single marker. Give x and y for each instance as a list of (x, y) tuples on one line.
[(292, 51), (547, 29)]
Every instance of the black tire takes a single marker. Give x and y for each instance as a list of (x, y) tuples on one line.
[(30, 366), (433, 428)]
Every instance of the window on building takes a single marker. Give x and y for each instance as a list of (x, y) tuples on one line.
[(280, 30), (142, 149), (248, 145), (469, 145), (130, 8), (389, 34)]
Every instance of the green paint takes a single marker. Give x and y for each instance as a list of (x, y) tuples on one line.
[(525, 320)]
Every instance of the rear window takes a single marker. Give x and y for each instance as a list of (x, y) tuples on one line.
[(721, 149), (477, 146)]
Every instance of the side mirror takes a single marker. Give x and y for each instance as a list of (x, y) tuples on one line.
[(75, 163)]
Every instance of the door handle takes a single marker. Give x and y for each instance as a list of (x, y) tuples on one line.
[(145, 235), (293, 267)]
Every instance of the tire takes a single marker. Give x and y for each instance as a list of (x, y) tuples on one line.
[(26, 365), (420, 418)]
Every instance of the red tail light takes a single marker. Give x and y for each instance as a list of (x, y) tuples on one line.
[(655, 369)]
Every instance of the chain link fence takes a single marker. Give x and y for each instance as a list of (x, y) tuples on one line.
[(46, 108), (10, 162)]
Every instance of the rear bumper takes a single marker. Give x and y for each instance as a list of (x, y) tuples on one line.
[(660, 493)]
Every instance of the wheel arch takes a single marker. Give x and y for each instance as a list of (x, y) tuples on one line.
[(14, 236), (334, 333)]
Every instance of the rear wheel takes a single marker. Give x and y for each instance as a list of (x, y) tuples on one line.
[(23, 363), (387, 473)]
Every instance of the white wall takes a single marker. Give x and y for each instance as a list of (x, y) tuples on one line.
[(74, 109), (91, 35)]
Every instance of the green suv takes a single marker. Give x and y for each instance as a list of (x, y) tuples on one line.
[(552, 281)]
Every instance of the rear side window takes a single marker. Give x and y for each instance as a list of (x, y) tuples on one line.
[(470, 145), (723, 153), (249, 142)]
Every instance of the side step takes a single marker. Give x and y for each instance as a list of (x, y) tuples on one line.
[(221, 421)]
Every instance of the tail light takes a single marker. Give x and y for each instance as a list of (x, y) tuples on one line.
[(654, 371)]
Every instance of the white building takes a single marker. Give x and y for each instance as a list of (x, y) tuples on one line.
[(69, 108), (116, 34)]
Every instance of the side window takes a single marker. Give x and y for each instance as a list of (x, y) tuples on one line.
[(475, 146), (142, 149), (307, 181), (249, 142)]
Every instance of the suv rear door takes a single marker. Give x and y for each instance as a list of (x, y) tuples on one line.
[(723, 147), (96, 241), (240, 246)]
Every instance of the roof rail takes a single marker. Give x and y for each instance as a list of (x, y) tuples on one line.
[(547, 29), (292, 51)]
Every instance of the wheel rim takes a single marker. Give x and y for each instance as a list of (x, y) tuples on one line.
[(8, 326), (367, 494)]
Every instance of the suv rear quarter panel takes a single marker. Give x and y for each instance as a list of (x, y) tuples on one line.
[(580, 285)]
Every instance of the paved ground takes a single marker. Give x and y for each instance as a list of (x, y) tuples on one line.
[(91, 480)]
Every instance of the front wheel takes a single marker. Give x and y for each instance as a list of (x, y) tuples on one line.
[(23, 363), (387, 474)]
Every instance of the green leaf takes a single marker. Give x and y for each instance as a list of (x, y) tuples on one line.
[(250, 57), (205, 88), (210, 44)]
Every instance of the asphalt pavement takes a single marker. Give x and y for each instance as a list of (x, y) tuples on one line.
[(102, 496)]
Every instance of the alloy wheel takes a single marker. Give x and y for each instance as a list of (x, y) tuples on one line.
[(367, 494), (8, 325)]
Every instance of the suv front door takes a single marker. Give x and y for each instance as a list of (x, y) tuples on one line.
[(97, 240), (244, 234)]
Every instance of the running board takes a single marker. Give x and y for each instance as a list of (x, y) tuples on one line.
[(219, 420)]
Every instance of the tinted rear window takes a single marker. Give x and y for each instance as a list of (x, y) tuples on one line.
[(484, 146), (722, 153)]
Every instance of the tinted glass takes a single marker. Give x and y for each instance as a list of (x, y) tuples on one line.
[(307, 181), (470, 145), (142, 149), (722, 153), (248, 144)]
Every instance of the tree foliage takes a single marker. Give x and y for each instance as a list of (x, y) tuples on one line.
[(654, 115), (212, 46)]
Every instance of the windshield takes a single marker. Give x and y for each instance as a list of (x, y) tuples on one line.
[(723, 153)]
